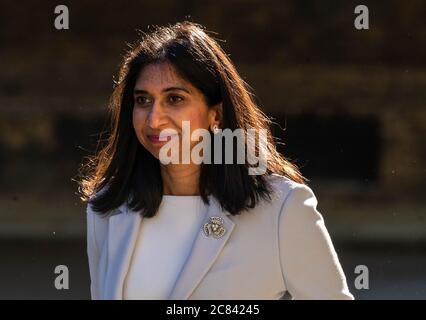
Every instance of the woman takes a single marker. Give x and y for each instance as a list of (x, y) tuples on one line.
[(186, 230)]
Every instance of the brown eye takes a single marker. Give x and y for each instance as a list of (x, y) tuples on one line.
[(141, 100), (175, 99)]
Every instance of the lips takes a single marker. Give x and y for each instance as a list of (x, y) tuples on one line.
[(156, 139)]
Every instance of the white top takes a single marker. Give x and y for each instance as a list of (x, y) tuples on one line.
[(162, 247)]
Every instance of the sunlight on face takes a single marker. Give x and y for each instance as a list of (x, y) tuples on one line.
[(162, 100)]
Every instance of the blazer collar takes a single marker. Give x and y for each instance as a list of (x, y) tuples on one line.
[(122, 235)]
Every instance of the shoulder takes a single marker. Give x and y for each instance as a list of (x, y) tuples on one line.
[(97, 222), (98, 219), (95, 215), (286, 197), (294, 199), (297, 214), (284, 187)]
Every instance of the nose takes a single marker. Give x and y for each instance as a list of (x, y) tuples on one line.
[(156, 116)]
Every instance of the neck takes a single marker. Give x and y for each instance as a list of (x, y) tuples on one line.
[(180, 179)]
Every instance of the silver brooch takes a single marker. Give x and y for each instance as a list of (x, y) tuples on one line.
[(214, 227)]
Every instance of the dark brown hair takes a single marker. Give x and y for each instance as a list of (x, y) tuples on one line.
[(132, 174)]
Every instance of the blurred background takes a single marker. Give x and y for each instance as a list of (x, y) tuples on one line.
[(349, 106)]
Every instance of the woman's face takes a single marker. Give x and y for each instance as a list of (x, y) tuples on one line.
[(162, 100)]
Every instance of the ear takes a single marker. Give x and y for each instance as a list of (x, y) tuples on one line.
[(216, 113)]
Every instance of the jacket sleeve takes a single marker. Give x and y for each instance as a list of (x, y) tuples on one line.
[(309, 262), (92, 253)]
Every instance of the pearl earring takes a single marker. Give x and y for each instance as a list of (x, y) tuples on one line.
[(215, 128)]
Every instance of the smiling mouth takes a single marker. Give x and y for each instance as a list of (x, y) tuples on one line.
[(155, 139)]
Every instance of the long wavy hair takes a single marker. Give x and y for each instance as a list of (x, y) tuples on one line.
[(125, 171)]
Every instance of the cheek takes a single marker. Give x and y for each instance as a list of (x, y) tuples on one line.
[(198, 120), (138, 119)]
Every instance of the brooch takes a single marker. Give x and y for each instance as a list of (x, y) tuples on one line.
[(214, 227)]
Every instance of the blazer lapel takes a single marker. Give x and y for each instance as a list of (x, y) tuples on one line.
[(123, 231), (122, 235), (204, 252)]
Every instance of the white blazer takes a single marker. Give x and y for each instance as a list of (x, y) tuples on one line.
[(274, 248)]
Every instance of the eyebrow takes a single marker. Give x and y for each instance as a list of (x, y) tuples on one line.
[(141, 91)]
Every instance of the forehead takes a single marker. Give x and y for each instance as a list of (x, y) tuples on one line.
[(160, 75)]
